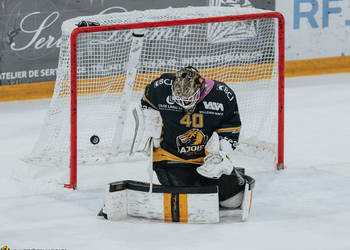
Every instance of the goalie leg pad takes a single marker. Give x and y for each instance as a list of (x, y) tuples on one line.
[(229, 206), (237, 199), (233, 202), (171, 204), (247, 197), (115, 205)]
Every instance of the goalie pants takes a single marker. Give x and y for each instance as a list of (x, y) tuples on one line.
[(184, 174)]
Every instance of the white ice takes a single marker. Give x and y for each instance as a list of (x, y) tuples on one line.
[(306, 206)]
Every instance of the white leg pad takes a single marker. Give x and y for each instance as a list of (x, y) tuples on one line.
[(171, 204), (246, 200), (246, 203), (233, 202), (116, 205)]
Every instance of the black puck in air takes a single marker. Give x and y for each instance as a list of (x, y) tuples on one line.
[(94, 139), (137, 35)]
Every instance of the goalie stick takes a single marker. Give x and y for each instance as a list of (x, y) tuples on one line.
[(137, 124)]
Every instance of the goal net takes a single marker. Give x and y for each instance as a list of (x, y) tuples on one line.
[(104, 68)]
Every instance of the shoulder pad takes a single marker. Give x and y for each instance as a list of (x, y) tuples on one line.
[(164, 79), (225, 90)]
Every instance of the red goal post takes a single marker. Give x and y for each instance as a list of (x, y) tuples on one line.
[(103, 70), (74, 107)]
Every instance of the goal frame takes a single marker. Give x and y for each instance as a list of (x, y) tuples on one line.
[(73, 63)]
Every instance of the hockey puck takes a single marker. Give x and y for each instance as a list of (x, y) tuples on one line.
[(94, 139), (137, 35)]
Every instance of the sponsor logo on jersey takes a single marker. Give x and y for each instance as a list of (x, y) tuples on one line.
[(170, 100), (213, 106), (170, 107), (191, 142), (227, 91), (162, 81)]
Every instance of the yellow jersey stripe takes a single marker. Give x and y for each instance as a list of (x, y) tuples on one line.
[(229, 129), (160, 154)]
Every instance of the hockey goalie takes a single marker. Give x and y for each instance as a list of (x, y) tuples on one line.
[(189, 126)]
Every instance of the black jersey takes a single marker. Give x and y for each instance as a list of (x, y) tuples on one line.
[(184, 135)]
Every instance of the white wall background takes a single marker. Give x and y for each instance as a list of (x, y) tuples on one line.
[(316, 28)]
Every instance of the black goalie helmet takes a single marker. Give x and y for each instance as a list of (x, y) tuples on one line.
[(186, 88)]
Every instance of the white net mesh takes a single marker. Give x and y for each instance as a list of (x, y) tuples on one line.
[(113, 67)]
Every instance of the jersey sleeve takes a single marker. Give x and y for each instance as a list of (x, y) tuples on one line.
[(230, 125), (149, 99)]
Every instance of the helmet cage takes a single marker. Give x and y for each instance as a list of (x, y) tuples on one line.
[(186, 87), (186, 102)]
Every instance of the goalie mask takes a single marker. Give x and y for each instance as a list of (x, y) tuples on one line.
[(186, 88)]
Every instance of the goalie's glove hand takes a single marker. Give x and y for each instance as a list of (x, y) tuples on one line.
[(215, 165), (217, 162)]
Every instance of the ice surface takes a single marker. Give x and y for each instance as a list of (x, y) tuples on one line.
[(305, 207)]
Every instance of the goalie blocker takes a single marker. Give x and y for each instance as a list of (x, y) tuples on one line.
[(171, 204)]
